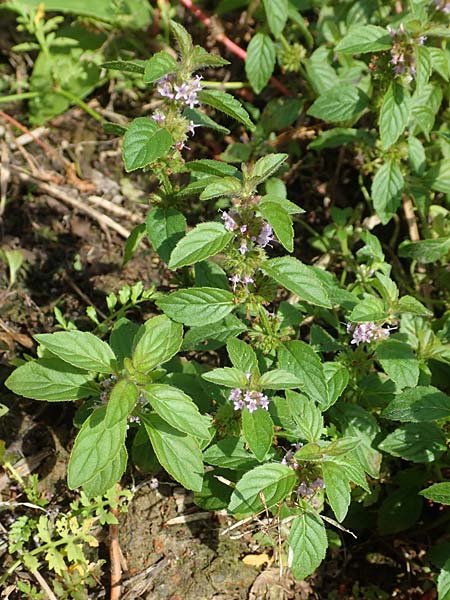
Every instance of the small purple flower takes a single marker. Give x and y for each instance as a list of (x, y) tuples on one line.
[(159, 116), (265, 235), (249, 399), (164, 87), (243, 249), (235, 279), (421, 40), (228, 221), (367, 332)]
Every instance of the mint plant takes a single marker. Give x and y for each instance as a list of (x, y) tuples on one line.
[(327, 390)]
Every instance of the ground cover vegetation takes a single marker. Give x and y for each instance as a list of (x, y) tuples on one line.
[(288, 360)]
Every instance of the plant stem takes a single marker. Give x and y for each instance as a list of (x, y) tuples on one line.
[(16, 97), (79, 102)]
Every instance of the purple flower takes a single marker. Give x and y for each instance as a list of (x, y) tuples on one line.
[(367, 332), (228, 221), (243, 248), (265, 235), (249, 399), (164, 87), (158, 116)]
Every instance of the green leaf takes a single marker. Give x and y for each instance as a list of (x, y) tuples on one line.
[(336, 137), (321, 75), (416, 155), (110, 474), (227, 104), (260, 61), (177, 452), (364, 38), (443, 582), (208, 273), (307, 544), (409, 304), (280, 221), (399, 511), (257, 428), (197, 306), (439, 62), (297, 278), (144, 142), (438, 492), (387, 187), (274, 481), (277, 12), (423, 403), (215, 495), (242, 356), (399, 362), (206, 166), (200, 118), (165, 227), (228, 377), (205, 240), (80, 349), (178, 409), (160, 341), (132, 244), (337, 378), (96, 446), (211, 337), (52, 380), (227, 186), (267, 166), (230, 453), (200, 58), (306, 416), (300, 359), (426, 251), (337, 488), (279, 379), (122, 339), (417, 442), (183, 38), (125, 66), (340, 103), (394, 114), (370, 308), (423, 65), (158, 65), (121, 402)]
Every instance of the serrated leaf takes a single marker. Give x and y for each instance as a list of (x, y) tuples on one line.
[(242, 356), (52, 380), (394, 114), (438, 492), (443, 582), (301, 360), (183, 38), (257, 428), (306, 415), (227, 104), (364, 38), (399, 511), (158, 65), (280, 221), (307, 544), (337, 378), (423, 65), (133, 241), (228, 377), (143, 143), (211, 337), (277, 12), (426, 251), (227, 186), (96, 446), (159, 342), (80, 349), (274, 481), (340, 103), (206, 166), (279, 379), (121, 402), (108, 476), (165, 227), (197, 306), (337, 489), (177, 452), (399, 362), (177, 409), (205, 240), (200, 58), (370, 308), (129, 66), (229, 453), (417, 442), (409, 304), (387, 187), (202, 119), (422, 403), (260, 61), (267, 166), (297, 278)]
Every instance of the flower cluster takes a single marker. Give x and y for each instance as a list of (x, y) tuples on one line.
[(245, 280), (306, 490), (254, 230), (186, 92), (289, 457), (367, 332), (250, 400), (402, 53)]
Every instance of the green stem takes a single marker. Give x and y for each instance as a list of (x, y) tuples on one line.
[(15, 97), (226, 85), (79, 102)]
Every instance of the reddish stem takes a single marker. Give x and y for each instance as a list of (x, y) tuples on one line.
[(225, 40)]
